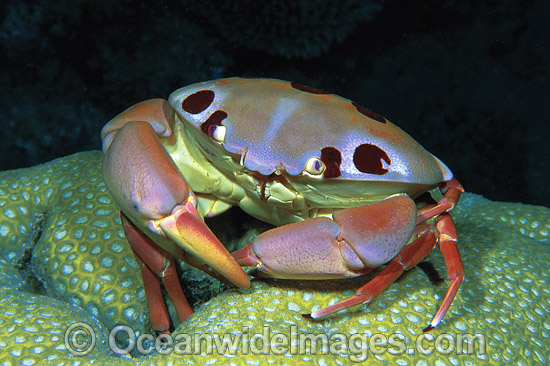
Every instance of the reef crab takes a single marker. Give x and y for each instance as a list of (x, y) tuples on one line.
[(345, 187)]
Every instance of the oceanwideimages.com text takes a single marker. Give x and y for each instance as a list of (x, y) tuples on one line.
[(123, 340)]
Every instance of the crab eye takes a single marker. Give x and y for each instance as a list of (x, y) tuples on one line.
[(315, 166), (217, 132)]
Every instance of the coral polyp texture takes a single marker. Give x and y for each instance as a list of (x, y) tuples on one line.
[(64, 261)]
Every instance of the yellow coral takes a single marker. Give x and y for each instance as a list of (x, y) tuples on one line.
[(60, 227), (32, 329)]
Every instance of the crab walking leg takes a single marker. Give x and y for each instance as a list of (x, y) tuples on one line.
[(451, 194), (409, 257), (455, 270), (156, 264), (356, 241)]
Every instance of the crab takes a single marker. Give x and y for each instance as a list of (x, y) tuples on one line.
[(345, 188)]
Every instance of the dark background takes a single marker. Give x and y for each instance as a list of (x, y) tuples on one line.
[(467, 79)]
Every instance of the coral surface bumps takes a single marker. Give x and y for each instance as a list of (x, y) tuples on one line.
[(63, 260)]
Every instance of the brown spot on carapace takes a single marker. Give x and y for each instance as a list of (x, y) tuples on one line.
[(368, 159), (198, 102), (215, 119), (307, 89), (332, 158), (367, 112)]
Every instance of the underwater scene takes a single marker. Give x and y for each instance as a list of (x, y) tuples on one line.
[(274, 182)]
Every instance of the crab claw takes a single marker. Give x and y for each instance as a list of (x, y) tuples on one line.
[(187, 229), (150, 190)]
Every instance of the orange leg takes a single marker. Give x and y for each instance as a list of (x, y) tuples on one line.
[(409, 257), (452, 191), (156, 263), (455, 270)]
